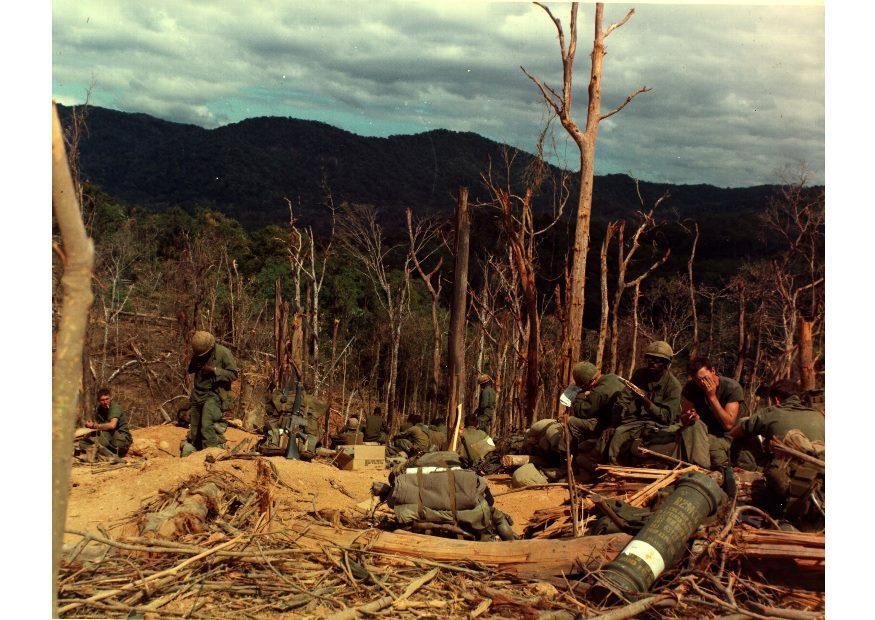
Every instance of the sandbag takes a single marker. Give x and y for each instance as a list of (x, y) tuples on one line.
[(527, 475)]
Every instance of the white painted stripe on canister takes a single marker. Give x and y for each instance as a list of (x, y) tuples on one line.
[(648, 553)]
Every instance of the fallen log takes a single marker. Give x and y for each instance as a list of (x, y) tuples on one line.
[(541, 559)]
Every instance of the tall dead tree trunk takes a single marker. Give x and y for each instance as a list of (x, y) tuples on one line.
[(694, 347), (420, 237), (603, 324), (742, 309), (633, 355), (806, 354), (456, 341), (78, 251), (585, 141)]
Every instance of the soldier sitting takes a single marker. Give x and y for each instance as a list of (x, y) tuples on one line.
[(642, 416), (710, 408), (592, 416), (350, 436), (796, 484), (415, 439), (375, 427), (115, 437)]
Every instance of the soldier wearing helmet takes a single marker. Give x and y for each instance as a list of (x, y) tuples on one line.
[(592, 410), (486, 405), (657, 406), (214, 369)]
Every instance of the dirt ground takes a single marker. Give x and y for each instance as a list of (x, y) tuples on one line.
[(107, 499)]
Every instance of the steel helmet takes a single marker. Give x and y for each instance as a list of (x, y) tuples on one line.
[(659, 348), (583, 373)]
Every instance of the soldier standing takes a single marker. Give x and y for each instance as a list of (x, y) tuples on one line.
[(486, 406), (214, 369)]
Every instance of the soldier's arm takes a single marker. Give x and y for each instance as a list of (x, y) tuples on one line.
[(748, 427), (226, 369), (666, 409)]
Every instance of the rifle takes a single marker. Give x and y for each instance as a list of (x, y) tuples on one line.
[(294, 425)]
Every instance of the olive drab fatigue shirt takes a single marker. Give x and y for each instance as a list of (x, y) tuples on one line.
[(664, 393), (728, 391), (216, 385), (777, 421), (597, 405), (102, 416)]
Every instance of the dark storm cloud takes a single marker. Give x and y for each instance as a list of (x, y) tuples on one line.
[(737, 91)]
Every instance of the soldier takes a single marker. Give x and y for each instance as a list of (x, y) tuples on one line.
[(112, 423), (592, 410), (710, 408), (351, 436), (414, 440), (486, 406), (795, 483), (214, 369), (474, 443), (375, 427), (657, 408)]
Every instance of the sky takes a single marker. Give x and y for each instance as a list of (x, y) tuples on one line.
[(737, 91)]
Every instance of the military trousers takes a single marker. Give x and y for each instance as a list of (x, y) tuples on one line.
[(117, 443), (206, 429)]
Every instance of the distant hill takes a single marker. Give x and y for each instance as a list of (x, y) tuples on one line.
[(247, 169)]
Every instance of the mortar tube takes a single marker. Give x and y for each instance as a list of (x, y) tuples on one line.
[(660, 544)]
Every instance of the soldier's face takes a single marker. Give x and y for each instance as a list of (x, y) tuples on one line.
[(105, 400), (655, 365)]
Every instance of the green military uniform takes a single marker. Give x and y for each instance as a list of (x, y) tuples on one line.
[(119, 439), (791, 480), (375, 428), (593, 411), (438, 438), (636, 418), (348, 438), (486, 408), (210, 396), (705, 441), (414, 440)]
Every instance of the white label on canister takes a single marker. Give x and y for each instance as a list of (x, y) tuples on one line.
[(648, 553)]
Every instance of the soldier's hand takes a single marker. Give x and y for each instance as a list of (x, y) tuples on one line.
[(689, 417), (709, 385), (563, 416), (89, 424), (209, 369)]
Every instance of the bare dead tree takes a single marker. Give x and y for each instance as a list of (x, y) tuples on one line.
[(458, 314), (585, 141), (359, 234), (423, 237), (694, 348), (603, 322), (67, 363), (517, 222), (624, 259)]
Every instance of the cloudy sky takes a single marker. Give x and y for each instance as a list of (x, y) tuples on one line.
[(738, 91)]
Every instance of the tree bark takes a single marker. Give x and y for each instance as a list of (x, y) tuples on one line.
[(67, 362), (603, 325), (634, 353), (806, 354), (456, 343), (694, 349)]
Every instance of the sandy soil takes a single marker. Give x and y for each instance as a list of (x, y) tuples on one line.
[(108, 499)]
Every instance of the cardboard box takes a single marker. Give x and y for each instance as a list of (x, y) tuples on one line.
[(361, 457)]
